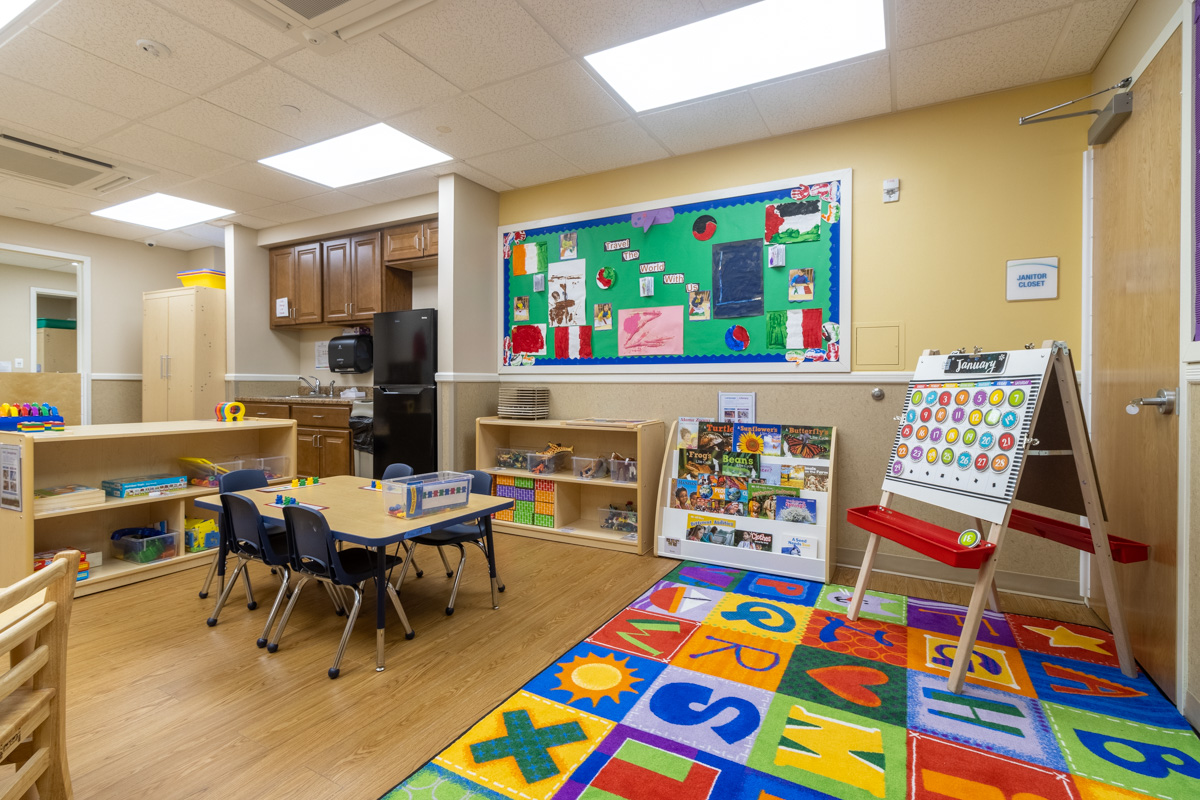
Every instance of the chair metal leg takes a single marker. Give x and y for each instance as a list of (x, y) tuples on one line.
[(212, 573), (444, 562), (408, 631), (495, 582), (240, 568), (408, 552), (462, 560), (408, 559), (285, 577), (339, 604), (334, 671), (250, 601), (287, 613)]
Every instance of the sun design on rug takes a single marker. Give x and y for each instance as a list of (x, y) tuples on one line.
[(596, 677)]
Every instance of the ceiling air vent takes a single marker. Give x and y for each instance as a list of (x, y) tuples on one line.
[(46, 164), (328, 25)]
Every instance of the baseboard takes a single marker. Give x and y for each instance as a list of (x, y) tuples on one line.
[(1062, 589), (1191, 709), (116, 376)]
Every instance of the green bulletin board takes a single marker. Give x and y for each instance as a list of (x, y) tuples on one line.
[(751, 279)]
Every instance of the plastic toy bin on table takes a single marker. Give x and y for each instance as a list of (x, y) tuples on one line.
[(428, 493), (143, 551), (940, 544)]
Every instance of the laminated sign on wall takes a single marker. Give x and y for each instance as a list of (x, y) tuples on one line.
[(1032, 279)]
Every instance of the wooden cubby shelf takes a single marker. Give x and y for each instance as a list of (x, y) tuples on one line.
[(578, 501)]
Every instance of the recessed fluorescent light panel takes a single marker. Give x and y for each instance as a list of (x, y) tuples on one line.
[(759, 42), (11, 9), (363, 155), (163, 211)]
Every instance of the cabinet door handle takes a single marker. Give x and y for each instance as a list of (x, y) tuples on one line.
[(260, 413), (168, 358), (318, 416), (352, 308), (162, 366)]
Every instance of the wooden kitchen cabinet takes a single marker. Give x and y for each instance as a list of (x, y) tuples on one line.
[(357, 284), (411, 241), (296, 276), (323, 452), (266, 411)]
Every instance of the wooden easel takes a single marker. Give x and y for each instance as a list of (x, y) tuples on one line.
[(1058, 433)]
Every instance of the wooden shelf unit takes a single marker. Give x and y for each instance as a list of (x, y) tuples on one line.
[(92, 453), (578, 500)]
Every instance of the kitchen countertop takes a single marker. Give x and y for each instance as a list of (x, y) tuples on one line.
[(306, 400)]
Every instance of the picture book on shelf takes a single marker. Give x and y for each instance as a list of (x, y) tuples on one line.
[(710, 530), (689, 432), (799, 546), (715, 437), (762, 500), (807, 441), (796, 509), (762, 440), (752, 540), (738, 465), (696, 462), (816, 479)]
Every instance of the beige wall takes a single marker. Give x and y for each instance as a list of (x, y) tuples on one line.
[(207, 258), (1145, 22), (15, 283), (252, 347), (467, 219)]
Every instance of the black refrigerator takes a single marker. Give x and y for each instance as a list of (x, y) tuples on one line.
[(405, 424)]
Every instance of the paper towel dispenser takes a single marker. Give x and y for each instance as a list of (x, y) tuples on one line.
[(350, 353)]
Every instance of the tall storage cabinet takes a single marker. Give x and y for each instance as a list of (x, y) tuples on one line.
[(183, 353)]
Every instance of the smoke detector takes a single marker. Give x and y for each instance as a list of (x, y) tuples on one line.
[(153, 48)]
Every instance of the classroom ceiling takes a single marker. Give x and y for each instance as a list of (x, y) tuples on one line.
[(501, 85)]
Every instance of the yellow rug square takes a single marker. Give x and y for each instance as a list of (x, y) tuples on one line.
[(754, 615)]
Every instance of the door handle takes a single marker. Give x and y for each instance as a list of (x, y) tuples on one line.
[(346, 309), (162, 366), (168, 358), (1163, 400)]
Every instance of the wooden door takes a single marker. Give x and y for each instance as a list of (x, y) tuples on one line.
[(338, 280), (154, 361), (366, 261), (1136, 351), (308, 284), (283, 285), (308, 457), (335, 452), (181, 356), (402, 242)]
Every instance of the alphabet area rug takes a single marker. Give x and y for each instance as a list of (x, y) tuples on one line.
[(733, 685)]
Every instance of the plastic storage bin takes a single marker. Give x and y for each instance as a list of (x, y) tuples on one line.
[(512, 457), (546, 464), (428, 493), (202, 472), (143, 551), (589, 467), (623, 470), (275, 467), (614, 520)]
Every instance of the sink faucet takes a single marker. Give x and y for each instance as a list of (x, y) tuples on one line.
[(314, 389), (330, 387)]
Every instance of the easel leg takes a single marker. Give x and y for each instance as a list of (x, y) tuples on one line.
[(864, 575), (1112, 596), (993, 592), (983, 586)]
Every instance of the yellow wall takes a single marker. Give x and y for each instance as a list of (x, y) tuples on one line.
[(976, 190)]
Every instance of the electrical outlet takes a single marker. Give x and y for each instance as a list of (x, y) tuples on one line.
[(19, 363)]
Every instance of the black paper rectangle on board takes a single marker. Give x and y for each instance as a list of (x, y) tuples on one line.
[(737, 279)]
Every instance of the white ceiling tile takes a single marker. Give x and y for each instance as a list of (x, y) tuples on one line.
[(266, 182), (251, 221), (608, 147), (586, 28), (203, 191), (462, 127), (721, 6), (398, 187), (1088, 31), (235, 24), (552, 101), (922, 21), (37, 108), (110, 29), (33, 212), (141, 143), (527, 165), (178, 240), (331, 202), (284, 213), (212, 234), (202, 122), (109, 227), (162, 181), (44, 61), (374, 75), (261, 95), (49, 197), (476, 42), (472, 174), (705, 124), (994, 58), (847, 92)]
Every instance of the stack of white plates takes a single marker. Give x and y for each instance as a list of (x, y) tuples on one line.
[(524, 402)]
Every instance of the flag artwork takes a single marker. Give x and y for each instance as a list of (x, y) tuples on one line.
[(573, 342), (788, 223), (529, 258)]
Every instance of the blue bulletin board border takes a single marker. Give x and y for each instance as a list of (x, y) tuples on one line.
[(837, 311)]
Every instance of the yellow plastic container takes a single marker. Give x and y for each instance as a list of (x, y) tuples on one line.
[(207, 278)]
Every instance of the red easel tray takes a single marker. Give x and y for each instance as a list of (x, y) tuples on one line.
[(940, 544), (1124, 551)]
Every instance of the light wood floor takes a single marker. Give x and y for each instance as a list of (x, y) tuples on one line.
[(161, 706)]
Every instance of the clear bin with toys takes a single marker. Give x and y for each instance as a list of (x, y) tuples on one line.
[(274, 467), (619, 519), (589, 468), (621, 469), (552, 458), (428, 493), (202, 472), (138, 546), (512, 457)]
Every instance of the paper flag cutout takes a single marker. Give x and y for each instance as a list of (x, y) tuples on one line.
[(657, 216)]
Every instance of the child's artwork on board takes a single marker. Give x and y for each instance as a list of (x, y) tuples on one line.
[(539, 283), (763, 440), (816, 479), (646, 286), (602, 316), (521, 309), (737, 279), (800, 286), (650, 331), (788, 223), (776, 255), (796, 509), (529, 258), (567, 293), (568, 245), (715, 437), (529, 339), (699, 305)]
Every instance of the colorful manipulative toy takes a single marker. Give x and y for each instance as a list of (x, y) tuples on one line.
[(230, 412), (31, 427)]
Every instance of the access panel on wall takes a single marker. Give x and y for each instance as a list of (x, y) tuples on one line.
[(751, 279)]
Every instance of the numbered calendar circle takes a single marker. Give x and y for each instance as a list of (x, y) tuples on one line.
[(992, 417), (964, 460), (969, 436), (906, 431), (944, 399), (940, 415), (1009, 419), (1016, 397), (931, 456), (931, 397), (918, 397), (976, 417), (911, 416), (1007, 441), (898, 468), (922, 432), (902, 450), (926, 414), (958, 414), (981, 462), (962, 398), (947, 456), (952, 436), (980, 397), (996, 397), (1000, 462), (935, 435), (986, 440), (916, 453)]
